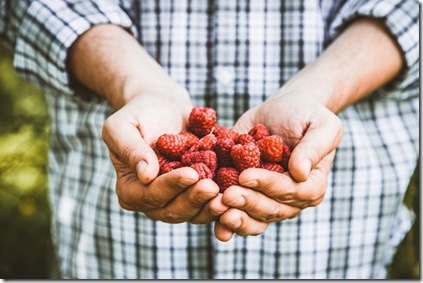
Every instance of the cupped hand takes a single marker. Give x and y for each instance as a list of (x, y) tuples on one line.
[(313, 132), (174, 197)]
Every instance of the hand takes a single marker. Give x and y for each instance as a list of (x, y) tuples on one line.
[(174, 197), (264, 197)]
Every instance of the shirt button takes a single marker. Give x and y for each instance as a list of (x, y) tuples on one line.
[(225, 75)]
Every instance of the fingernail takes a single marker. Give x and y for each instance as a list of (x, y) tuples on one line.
[(252, 183), (141, 167), (205, 197), (239, 201), (237, 224)]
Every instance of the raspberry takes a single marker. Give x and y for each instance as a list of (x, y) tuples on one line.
[(285, 157), (201, 121), (171, 146), (191, 139), (245, 156), (223, 152), (226, 177), (203, 170), (169, 166), (193, 148), (272, 167), (207, 142), (212, 150), (162, 160), (207, 157), (223, 133), (244, 139), (271, 148), (259, 131)]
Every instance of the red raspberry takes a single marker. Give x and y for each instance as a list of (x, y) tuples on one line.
[(223, 133), (162, 160), (272, 167), (271, 148), (226, 177), (203, 170), (207, 157), (172, 146), (259, 131), (191, 139), (223, 152), (245, 156), (244, 139), (193, 148), (207, 142), (201, 121), (169, 166), (285, 157)]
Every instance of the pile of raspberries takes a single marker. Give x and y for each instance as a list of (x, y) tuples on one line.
[(220, 153)]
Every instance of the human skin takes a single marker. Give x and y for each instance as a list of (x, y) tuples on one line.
[(307, 105), (363, 58)]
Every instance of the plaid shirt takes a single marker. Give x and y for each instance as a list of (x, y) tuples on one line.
[(230, 55)]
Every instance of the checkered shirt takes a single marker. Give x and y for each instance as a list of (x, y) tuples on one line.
[(230, 55)]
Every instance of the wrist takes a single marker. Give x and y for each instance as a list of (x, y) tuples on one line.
[(109, 61), (166, 88), (310, 87), (351, 68)]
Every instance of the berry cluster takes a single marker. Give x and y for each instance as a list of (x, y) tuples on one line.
[(219, 153)]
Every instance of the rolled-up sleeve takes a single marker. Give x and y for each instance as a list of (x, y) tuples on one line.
[(41, 33), (401, 17)]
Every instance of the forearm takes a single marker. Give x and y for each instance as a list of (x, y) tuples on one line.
[(363, 58), (109, 61)]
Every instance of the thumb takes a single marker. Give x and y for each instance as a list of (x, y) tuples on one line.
[(245, 122), (319, 140), (127, 145), (147, 167)]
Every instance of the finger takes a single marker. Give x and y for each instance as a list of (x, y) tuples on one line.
[(125, 143), (283, 189), (246, 121), (258, 205), (187, 204), (320, 139), (211, 211), (158, 193), (221, 232), (241, 223)]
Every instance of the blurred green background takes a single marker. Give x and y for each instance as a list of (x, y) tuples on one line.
[(25, 245)]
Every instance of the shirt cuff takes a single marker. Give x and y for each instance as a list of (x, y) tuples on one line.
[(48, 30), (401, 17)]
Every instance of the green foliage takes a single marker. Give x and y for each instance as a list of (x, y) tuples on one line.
[(24, 210), (25, 246), (406, 262)]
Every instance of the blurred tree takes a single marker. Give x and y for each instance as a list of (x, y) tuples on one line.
[(24, 211), (406, 263)]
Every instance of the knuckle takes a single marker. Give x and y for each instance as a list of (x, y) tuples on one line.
[(274, 214), (316, 202), (294, 215), (203, 219), (125, 205), (289, 195), (174, 217), (153, 202)]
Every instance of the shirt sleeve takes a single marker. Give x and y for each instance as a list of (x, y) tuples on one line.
[(42, 31), (401, 17)]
